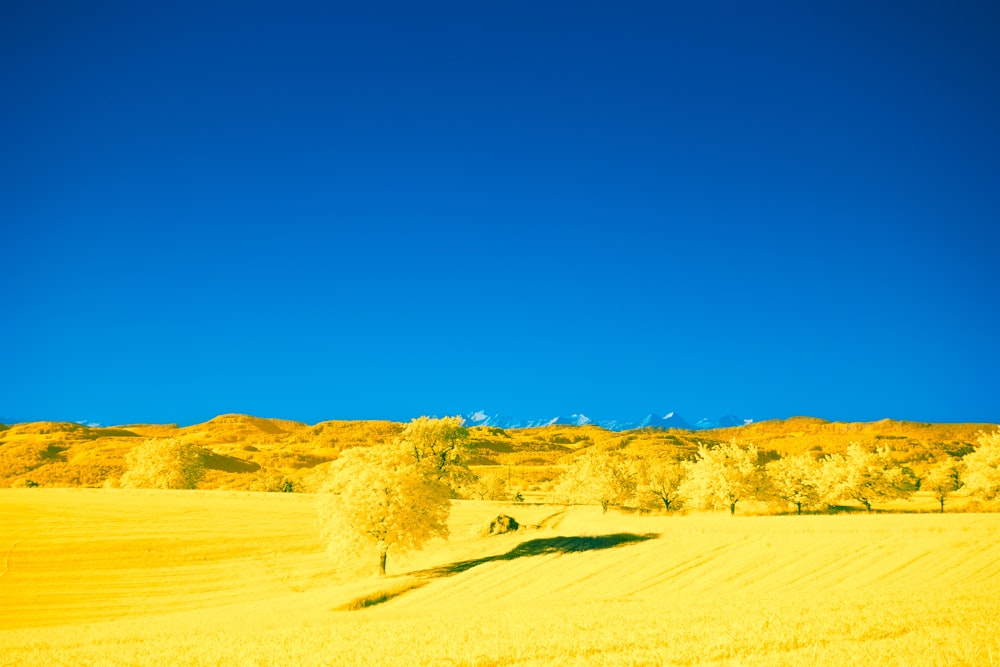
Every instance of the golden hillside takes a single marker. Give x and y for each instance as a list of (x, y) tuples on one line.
[(250, 453)]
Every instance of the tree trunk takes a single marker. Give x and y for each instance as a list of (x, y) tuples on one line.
[(604, 506), (868, 506), (942, 504), (666, 503), (383, 553), (732, 508), (799, 507)]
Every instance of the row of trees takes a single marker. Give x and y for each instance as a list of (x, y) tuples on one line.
[(394, 497), (720, 477)]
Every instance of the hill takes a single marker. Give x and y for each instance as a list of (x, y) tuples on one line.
[(253, 453)]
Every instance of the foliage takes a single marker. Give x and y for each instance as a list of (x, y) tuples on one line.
[(392, 497), (379, 499), (599, 476), (88, 456), (164, 463), (865, 475), (489, 486), (943, 478), (724, 475), (982, 467), (797, 480), (437, 446), (273, 482), (661, 481)]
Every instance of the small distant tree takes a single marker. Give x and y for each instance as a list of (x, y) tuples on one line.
[(865, 475), (378, 499), (661, 480), (797, 480), (598, 476), (164, 463), (982, 467), (943, 478), (724, 475), (490, 486)]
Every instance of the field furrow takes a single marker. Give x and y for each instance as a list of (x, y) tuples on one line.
[(95, 577)]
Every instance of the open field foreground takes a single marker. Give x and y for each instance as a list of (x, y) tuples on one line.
[(110, 577)]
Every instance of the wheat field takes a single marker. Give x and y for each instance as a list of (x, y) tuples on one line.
[(116, 577)]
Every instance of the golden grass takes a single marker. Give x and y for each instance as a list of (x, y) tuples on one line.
[(111, 577)]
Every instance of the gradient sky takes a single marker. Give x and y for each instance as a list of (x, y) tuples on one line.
[(328, 211)]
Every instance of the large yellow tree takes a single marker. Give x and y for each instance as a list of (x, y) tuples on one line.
[(392, 497), (724, 475), (797, 480), (866, 475)]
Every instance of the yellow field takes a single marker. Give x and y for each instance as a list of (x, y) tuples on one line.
[(110, 577)]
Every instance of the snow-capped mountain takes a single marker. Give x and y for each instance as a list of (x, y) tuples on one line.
[(724, 421), (481, 418), (669, 420)]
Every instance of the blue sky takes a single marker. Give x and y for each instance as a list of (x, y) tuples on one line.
[(326, 211)]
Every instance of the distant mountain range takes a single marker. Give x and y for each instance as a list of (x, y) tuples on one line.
[(669, 420), (482, 418)]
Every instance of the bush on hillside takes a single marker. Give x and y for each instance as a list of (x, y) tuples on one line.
[(164, 463), (982, 467)]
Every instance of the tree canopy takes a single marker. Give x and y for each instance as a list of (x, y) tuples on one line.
[(797, 480), (599, 476), (393, 496), (164, 463), (724, 475), (865, 475), (982, 467)]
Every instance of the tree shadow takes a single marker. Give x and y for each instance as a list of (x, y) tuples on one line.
[(537, 547), (541, 547)]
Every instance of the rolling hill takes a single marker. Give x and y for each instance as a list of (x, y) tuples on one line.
[(250, 453)]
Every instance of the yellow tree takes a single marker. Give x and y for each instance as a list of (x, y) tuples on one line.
[(943, 478), (982, 467), (437, 445), (661, 480), (724, 475), (865, 475), (797, 480), (598, 476), (489, 486), (164, 463), (379, 498)]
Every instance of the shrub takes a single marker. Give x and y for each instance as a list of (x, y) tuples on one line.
[(164, 463)]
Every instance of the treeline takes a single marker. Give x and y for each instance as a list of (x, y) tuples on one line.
[(727, 474)]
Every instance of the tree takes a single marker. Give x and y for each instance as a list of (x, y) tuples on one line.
[(601, 477), (490, 486), (380, 498), (164, 463), (982, 467), (662, 479), (437, 445), (865, 475), (724, 475), (797, 480), (394, 496), (943, 478)]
